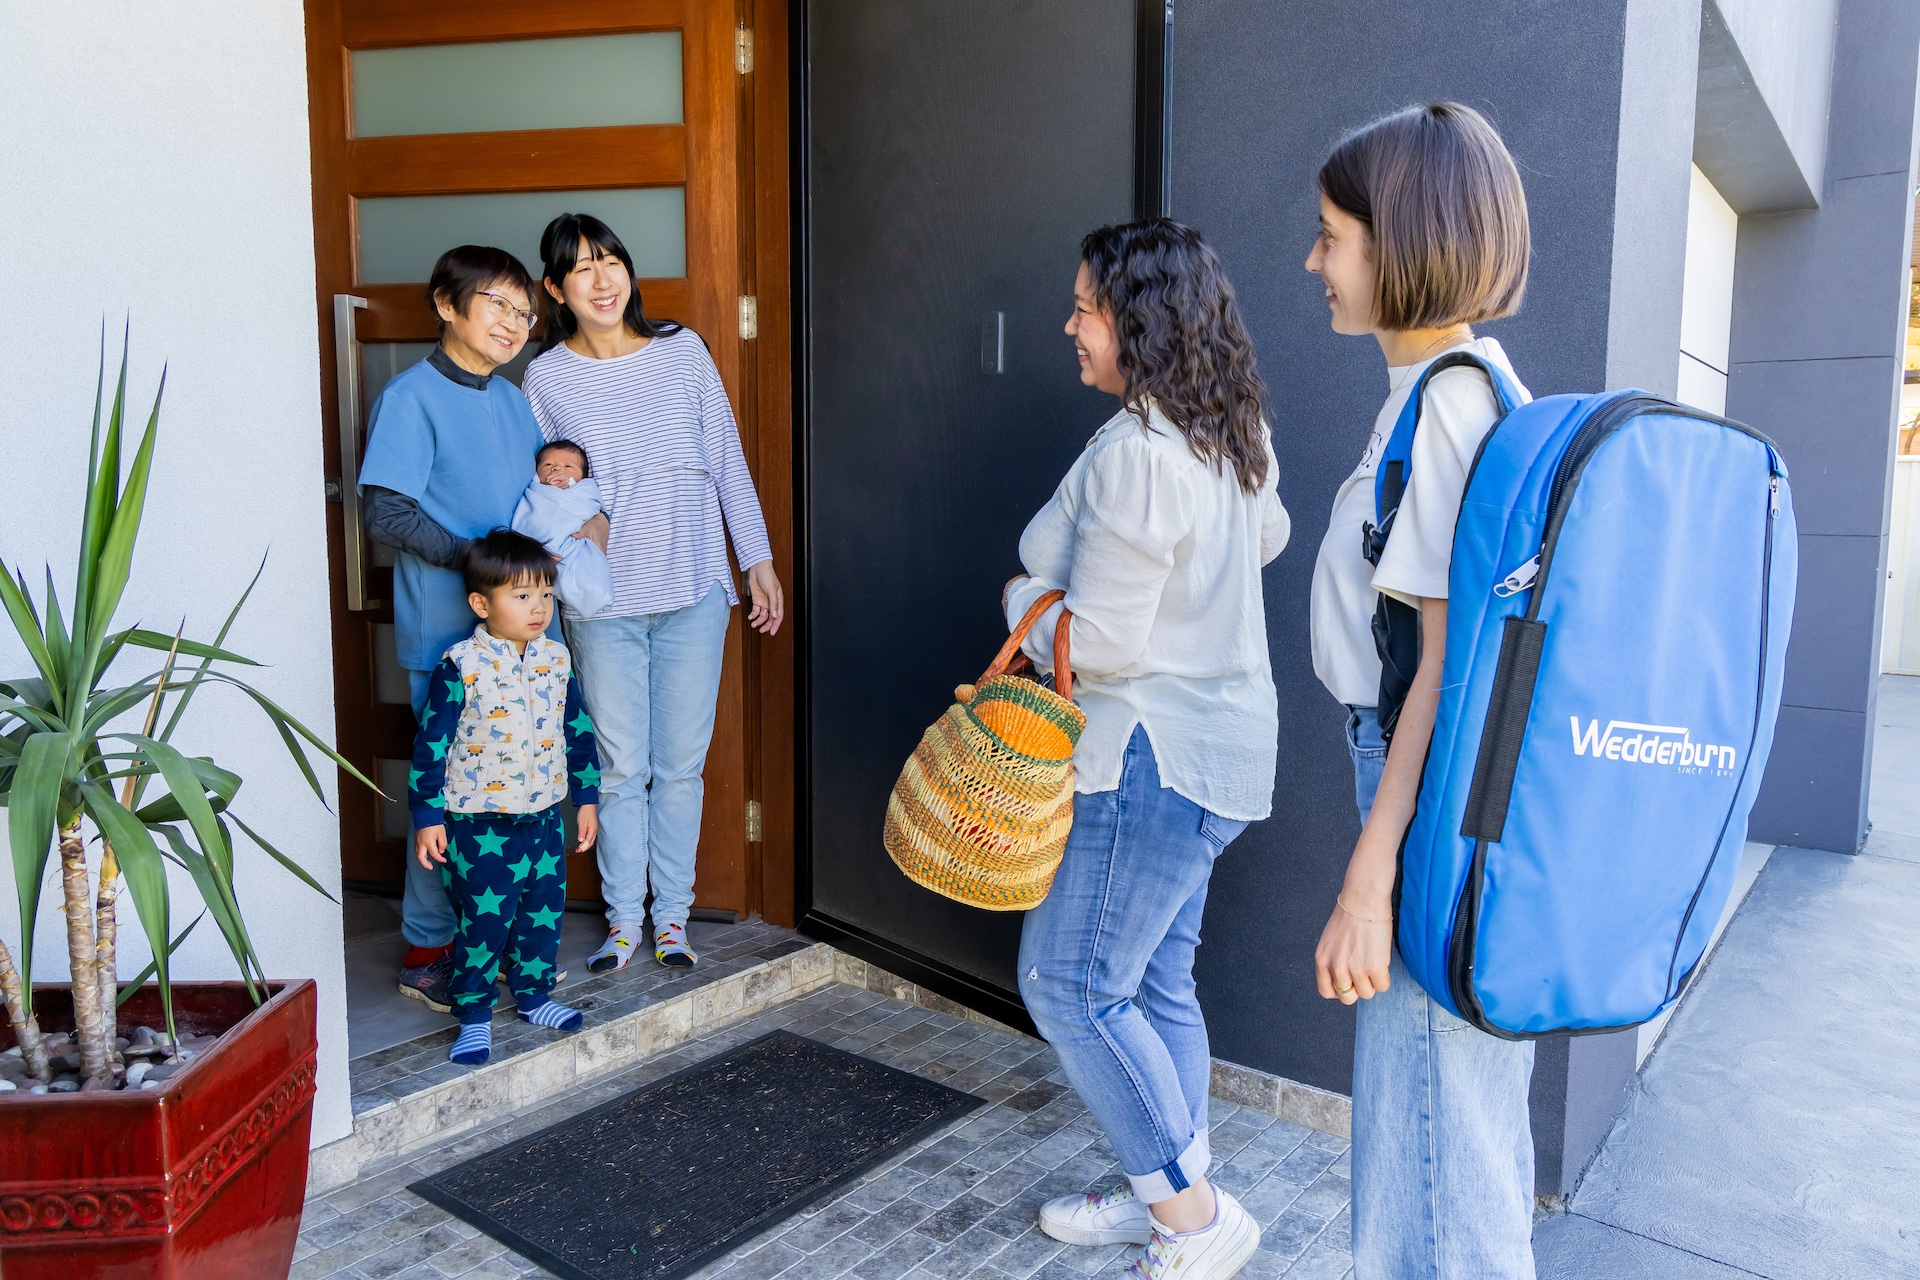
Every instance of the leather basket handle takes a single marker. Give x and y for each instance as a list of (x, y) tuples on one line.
[(1062, 644)]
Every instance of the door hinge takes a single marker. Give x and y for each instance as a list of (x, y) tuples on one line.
[(753, 822), (743, 50), (749, 317)]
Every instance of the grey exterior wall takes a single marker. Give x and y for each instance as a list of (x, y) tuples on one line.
[(1765, 71), (1818, 341)]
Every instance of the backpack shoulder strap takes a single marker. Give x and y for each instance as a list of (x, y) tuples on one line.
[(1396, 462)]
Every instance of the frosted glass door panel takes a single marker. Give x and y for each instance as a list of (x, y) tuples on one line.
[(571, 83), (402, 236)]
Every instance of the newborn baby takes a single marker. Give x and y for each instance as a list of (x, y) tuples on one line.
[(559, 501)]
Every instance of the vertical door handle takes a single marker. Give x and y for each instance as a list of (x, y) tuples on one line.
[(346, 363)]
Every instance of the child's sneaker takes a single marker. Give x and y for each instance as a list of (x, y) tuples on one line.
[(1113, 1216), (613, 953), (428, 982), (670, 947), (1213, 1252), (552, 1014), (474, 1046)]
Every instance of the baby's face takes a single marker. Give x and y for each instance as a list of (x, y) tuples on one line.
[(560, 468)]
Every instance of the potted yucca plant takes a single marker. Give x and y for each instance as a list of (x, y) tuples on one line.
[(148, 1128)]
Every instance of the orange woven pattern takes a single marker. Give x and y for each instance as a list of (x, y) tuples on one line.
[(982, 809)]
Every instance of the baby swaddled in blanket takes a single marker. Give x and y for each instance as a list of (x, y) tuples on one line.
[(561, 499)]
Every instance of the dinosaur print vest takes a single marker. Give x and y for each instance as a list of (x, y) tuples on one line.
[(510, 753)]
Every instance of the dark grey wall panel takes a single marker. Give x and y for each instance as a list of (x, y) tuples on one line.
[(1819, 317), (957, 155), (1261, 90)]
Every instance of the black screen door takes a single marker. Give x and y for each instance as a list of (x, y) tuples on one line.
[(955, 154)]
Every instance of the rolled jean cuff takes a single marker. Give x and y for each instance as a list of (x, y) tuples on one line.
[(1171, 1179)]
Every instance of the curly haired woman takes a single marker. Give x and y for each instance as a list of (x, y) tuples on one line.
[(1157, 534)]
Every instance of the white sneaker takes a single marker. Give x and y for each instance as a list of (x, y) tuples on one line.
[(1114, 1216), (1211, 1253), (613, 953)]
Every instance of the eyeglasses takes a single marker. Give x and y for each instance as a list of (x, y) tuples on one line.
[(505, 311)]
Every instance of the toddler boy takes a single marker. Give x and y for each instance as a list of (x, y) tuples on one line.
[(561, 499), (503, 739)]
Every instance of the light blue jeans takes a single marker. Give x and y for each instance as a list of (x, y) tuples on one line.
[(1106, 969), (426, 910), (650, 683), (1442, 1152)]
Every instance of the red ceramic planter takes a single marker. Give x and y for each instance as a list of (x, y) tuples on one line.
[(202, 1178)]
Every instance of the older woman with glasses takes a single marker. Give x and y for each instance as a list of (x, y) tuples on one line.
[(449, 451)]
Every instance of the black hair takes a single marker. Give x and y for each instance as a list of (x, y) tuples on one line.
[(586, 467), (503, 558), (560, 252), (1182, 342), (467, 269)]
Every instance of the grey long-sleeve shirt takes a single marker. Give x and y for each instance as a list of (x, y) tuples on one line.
[(395, 520)]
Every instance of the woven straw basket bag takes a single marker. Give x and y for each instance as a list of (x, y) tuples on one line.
[(982, 810)]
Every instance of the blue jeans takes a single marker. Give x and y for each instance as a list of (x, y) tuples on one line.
[(651, 683), (426, 912), (1442, 1152), (1106, 969)]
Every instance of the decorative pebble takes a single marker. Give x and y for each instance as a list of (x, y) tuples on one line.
[(7, 1086), (40, 1088), (164, 1072), (64, 1085), (138, 1072), (98, 1085), (14, 1052), (121, 1043)]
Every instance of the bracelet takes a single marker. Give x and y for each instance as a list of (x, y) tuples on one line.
[(1350, 911)]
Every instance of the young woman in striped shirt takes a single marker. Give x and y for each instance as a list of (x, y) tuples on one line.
[(644, 400)]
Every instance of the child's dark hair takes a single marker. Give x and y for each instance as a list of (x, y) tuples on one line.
[(565, 446), (504, 558)]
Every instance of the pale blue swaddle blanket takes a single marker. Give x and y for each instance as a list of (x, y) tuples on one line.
[(585, 580)]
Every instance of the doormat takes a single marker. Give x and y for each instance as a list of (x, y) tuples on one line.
[(658, 1183)]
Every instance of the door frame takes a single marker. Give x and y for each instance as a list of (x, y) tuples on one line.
[(1153, 187), (751, 252)]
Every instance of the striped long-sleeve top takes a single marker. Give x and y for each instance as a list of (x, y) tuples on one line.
[(662, 443)]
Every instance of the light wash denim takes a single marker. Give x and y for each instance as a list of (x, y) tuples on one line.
[(1442, 1152), (650, 683), (1106, 969), (426, 909)]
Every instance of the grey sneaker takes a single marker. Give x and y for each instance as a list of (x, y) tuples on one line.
[(428, 983), (1113, 1216)]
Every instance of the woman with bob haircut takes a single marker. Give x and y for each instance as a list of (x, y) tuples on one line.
[(643, 399), (1157, 534), (1423, 233), (449, 451)]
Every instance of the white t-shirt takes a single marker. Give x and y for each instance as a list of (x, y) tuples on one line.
[(1460, 409)]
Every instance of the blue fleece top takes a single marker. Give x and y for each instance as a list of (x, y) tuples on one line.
[(465, 454)]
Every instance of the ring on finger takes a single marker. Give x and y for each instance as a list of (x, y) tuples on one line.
[(1341, 991)]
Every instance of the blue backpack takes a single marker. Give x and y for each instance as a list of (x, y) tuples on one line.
[(1618, 608)]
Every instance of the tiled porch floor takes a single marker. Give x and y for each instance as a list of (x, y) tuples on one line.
[(402, 1070), (960, 1204)]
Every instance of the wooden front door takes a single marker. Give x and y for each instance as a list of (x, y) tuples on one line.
[(435, 125)]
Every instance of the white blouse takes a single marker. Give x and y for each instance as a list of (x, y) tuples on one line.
[(1160, 555)]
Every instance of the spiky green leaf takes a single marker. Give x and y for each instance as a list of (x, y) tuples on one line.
[(33, 813), (280, 857), (26, 626), (139, 980)]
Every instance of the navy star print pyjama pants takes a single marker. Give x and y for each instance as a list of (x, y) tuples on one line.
[(507, 876)]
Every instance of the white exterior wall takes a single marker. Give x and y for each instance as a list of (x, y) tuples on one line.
[(158, 168), (1706, 305)]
